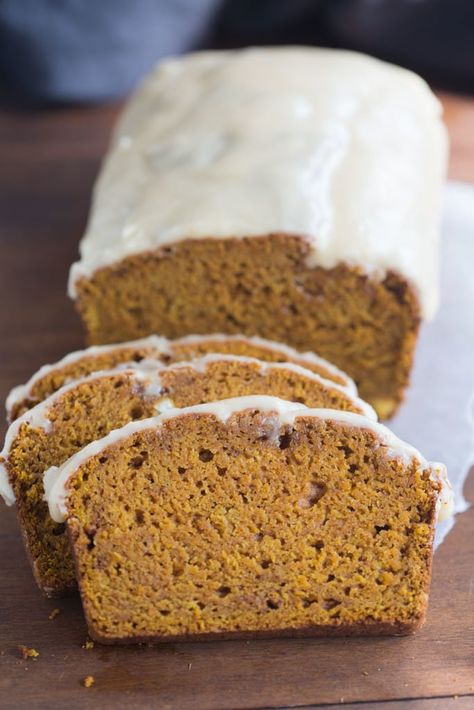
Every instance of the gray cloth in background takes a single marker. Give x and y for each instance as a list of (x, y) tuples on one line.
[(91, 50), (97, 50)]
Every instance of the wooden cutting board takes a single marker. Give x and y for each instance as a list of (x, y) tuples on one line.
[(49, 161)]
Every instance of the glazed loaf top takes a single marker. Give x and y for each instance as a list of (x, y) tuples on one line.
[(342, 149)]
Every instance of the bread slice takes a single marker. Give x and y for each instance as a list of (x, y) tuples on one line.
[(249, 517), (50, 378), (91, 407)]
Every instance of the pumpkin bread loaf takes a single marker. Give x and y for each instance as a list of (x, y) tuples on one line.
[(249, 517), (269, 191), (87, 409), (50, 378)]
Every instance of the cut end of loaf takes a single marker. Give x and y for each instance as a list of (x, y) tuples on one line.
[(329, 311)]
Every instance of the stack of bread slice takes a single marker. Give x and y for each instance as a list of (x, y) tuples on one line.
[(218, 485)]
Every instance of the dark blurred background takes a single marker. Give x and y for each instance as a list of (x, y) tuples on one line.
[(90, 51)]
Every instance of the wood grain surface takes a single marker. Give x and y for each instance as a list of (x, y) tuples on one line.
[(49, 161)]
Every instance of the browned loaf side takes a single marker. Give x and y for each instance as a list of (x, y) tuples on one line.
[(195, 528), (83, 362), (262, 286), (90, 408)]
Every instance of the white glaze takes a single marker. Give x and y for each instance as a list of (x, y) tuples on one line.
[(21, 392), (287, 351), (146, 375), (340, 148), (56, 478), (165, 346), (37, 416), (200, 364), (6, 491)]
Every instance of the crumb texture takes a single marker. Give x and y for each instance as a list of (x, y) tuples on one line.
[(55, 378), (366, 327), (81, 416), (227, 378), (205, 528)]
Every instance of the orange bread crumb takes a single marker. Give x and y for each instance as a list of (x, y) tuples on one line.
[(28, 653), (195, 526)]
